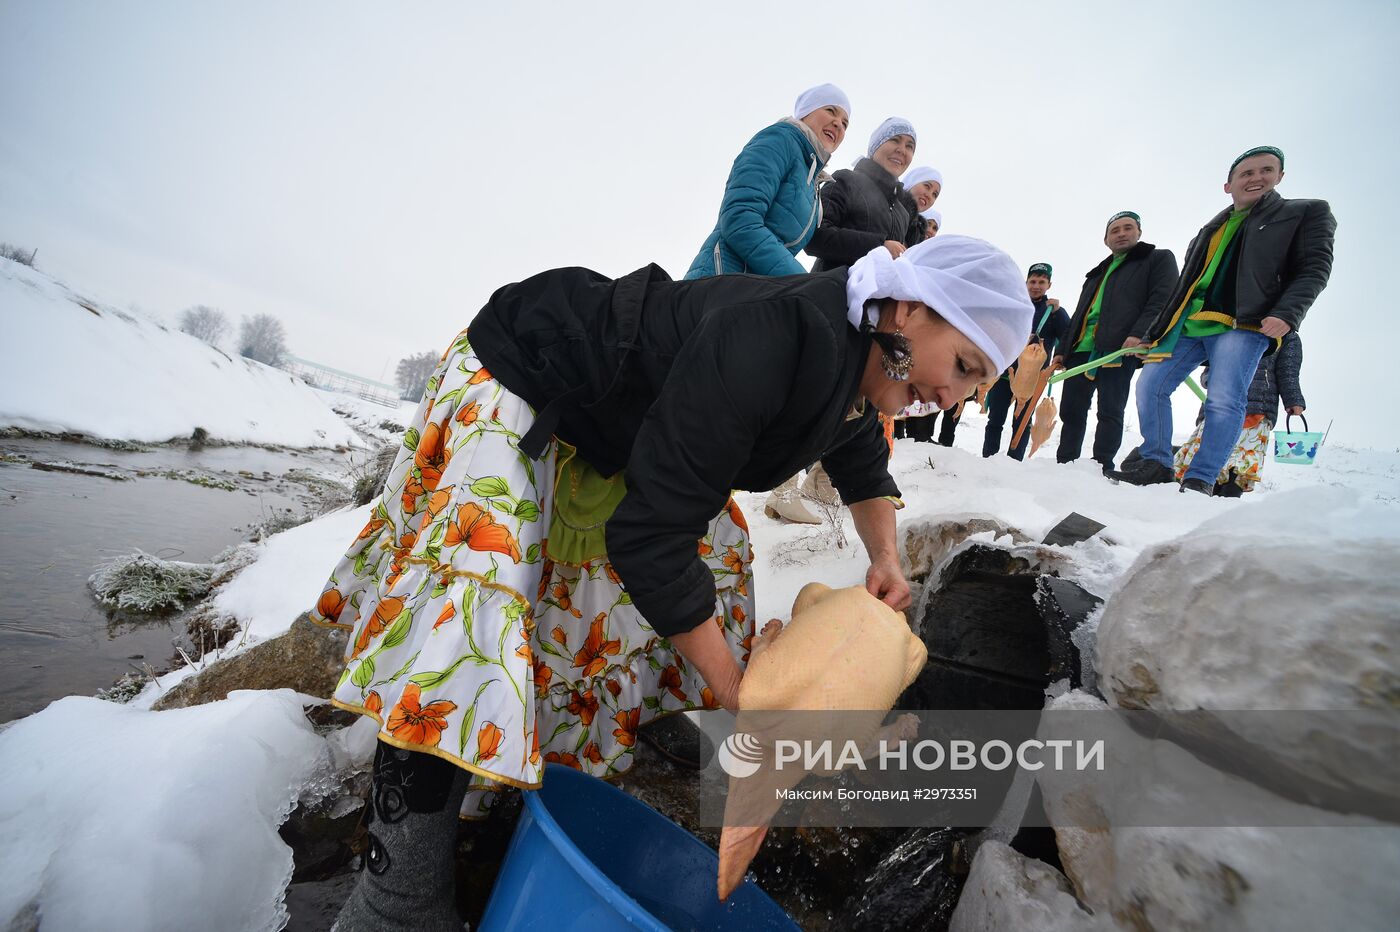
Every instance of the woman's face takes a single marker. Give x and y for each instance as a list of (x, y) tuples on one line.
[(829, 123), (932, 230), (925, 193), (895, 154), (947, 365)]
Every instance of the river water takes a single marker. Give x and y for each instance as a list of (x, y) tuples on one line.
[(57, 527)]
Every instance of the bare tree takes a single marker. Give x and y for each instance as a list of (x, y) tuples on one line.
[(262, 338), (412, 374), (17, 254), (207, 323)]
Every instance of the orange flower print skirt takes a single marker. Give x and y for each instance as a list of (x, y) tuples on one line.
[(1246, 460), (468, 642)]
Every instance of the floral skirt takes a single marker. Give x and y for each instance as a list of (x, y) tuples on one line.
[(1246, 460), (468, 642)]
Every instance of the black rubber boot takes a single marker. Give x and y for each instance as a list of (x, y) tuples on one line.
[(1146, 472), (406, 877)]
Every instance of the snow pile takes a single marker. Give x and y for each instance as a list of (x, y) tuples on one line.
[(140, 582), (1006, 890), (291, 569), (119, 818), (68, 363), (1282, 866)]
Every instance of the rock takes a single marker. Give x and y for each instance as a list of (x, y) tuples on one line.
[(313, 906), (1289, 604), (1064, 607), (913, 887), (327, 717), (928, 543), (308, 658), (322, 835), (998, 633), (79, 470), (1319, 870), (1006, 890)]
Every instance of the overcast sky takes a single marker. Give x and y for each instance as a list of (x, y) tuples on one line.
[(371, 172)]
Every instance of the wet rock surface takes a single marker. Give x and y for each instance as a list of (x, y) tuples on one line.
[(916, 885), (999, 632), (308, 658), (313, 906)]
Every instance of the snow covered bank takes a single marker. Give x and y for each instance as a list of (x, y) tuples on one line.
[(291, 569), (70, 363)]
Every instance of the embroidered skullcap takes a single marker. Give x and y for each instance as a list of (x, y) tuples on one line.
[(968, 282), (1119, 216), (1041, 268), (823, 95), (1257, 150), (921, 174), (894, 126)]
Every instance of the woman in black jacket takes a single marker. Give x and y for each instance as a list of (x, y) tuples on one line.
[(867, 206), (541, 575)]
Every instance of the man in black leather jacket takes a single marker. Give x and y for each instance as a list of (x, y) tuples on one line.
[(1249, 277)]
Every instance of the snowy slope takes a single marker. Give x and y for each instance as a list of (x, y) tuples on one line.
[(69, 363)]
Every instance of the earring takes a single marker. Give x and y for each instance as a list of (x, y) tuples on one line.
[(896, 357)]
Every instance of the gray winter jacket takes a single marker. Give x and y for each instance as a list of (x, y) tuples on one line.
[(1278, 378)]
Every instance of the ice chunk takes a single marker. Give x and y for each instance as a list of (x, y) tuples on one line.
[(167, 820)]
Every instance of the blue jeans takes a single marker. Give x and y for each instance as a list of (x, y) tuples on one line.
[(1233, 356)]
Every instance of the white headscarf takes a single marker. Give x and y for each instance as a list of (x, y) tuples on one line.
[(921, 174), (934, 215), (969, 283), (823, 95), (894, 126)]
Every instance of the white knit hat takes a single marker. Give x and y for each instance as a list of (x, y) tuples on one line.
[(823, 95), (921, 174), (894, 126), (933, 214), (967, 281)]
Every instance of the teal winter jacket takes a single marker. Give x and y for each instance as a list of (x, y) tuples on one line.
[(770, 207)]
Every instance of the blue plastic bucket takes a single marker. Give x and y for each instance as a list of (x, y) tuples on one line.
[(586, 856), (1297, 447)]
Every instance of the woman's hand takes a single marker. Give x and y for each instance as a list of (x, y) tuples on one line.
[(706, 649), (728, 695), (875, 524), (1296, 410), (895, 247), (886, 582)]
